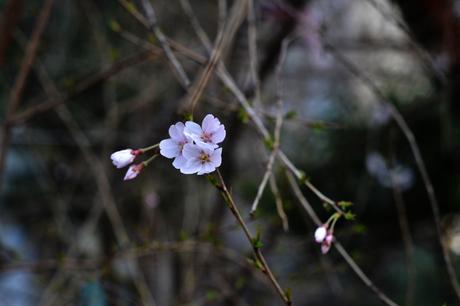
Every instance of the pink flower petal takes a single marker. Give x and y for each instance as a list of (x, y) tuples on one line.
[(218, 135), (193, 130), (169, 148), (179, 162), (191, 151)]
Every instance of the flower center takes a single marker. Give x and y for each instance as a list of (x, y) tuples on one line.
[(206, 137), (204, 158)]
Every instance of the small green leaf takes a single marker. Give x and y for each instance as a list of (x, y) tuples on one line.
[(243, 115), (114, 25), (303, 177), (291, 115), (240, 282), (151, 38), (212, 179), (212, 295), (269, 142), (288, 293), (345, 204), (349, 216), (188, 117), (359, 228)]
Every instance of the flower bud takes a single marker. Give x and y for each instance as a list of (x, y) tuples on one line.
[(320, 233), (133, 171), (123, 158)]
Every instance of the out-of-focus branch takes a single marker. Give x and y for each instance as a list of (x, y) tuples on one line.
[(404, 127), (88, 83), (260, 259), (406, 237), (153, 25), (21, 79), (351, 263)]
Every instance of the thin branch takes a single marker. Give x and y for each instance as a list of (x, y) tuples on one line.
[(21, 80), (153, 25), (279, 203), (257, 251), (83, 86), (308, 208), (223, 40), (102, 183), (278, 124), (402, 124), (406, 237)]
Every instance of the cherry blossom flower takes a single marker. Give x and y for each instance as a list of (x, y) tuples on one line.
[(327, 242), (173, 147), (210, 133), (133, 171), (122, 158), (201, 159), (321, 233)]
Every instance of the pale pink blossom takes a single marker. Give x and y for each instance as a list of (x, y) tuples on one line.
[(210, 133), (201, 159), (327, 242), (173, 147), (133, 171), (321, 233), (124, 157)]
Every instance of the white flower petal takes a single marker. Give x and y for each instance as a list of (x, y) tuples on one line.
[(193, 130), (169, 148), (133, 171), (192, 166), (216, 158), (206, 168), (210, 124), (122, 158), (191, 151), (179, 162), (218, 135), (320, 234), (176, 131)]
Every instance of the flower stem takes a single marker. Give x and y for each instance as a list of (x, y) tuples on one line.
[(262, 263), (146, 149), (148, 161)]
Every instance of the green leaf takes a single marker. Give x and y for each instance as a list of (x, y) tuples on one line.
[(114, 25), (291, 115), (212, 295), (269, 142), (243, 115), (345, 204), (349, 216), (288, 293)]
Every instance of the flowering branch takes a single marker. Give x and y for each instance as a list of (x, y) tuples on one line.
[(255, 242)]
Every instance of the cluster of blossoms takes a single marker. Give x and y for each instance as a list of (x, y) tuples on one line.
[(194, 148), (324, 236)]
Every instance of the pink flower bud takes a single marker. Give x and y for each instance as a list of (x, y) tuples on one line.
[(326, 244), (320, 233), (133, 171), (123, 158)]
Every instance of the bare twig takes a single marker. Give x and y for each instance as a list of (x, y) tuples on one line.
[(402, 124), (103, 185), (153, 25), (83, 86), (20, 83), (262, 263), (279, 121), (223, 40), (279, 202), (306, 205), (406, 237)]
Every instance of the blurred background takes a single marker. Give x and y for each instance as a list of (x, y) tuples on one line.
[(82, 79)]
